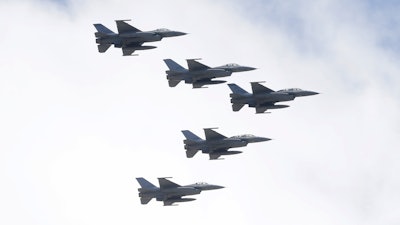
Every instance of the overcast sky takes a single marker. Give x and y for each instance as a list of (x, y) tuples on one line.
[(77, 126)]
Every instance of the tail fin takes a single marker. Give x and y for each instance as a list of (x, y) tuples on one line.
[(173, 66), (102, 31), (190, 136), (145, 184), (103, 47), (237, 90)]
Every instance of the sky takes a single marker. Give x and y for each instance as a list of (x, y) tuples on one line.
[(77, 126)]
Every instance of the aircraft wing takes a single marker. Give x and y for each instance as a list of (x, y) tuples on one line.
[(217, 153), (127, 51), (200, 83), (212, 135), (171, 201), (130, 48), (259, 89), (123, 27), (168, 202), (194, 65), (214, 156), (165, 183), (261, 109)]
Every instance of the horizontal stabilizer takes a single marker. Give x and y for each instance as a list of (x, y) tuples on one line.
[(237, 106), (191, 153), (103, 47), (144, 200), (173, 83)]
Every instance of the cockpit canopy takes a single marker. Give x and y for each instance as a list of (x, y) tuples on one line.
[(231, 65), (244, 136), (201, 183), (290, 90), (161, 30)]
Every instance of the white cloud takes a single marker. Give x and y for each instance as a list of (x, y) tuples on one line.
[(77, 126)]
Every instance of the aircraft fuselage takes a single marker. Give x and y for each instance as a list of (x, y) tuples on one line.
[(259, 99), (210, 145), (197, 74), (129, 38), (170, 192)]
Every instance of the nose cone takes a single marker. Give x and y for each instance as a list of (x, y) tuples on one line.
[(259, 139), (173, 33), (248, 68), (209, 187), (177, 33), (214, 187), (243, 69), (309, 93)]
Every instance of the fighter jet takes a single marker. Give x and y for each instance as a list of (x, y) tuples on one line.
[(129, 38), (263, 98), (199, 74), (216, 144), (170, 192)]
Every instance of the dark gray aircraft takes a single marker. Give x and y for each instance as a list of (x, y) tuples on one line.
[(199, 74), (129, 38), (216, 144), (263, 98), (170, 192)]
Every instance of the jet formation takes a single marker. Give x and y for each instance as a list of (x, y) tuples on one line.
[(216, 144), (129, 38), (263, 98), (170, 192), (199, 74)]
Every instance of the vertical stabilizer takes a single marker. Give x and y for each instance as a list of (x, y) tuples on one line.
[(173, 66), (237, 90), (145, 184), (102, 31), (190, 136)]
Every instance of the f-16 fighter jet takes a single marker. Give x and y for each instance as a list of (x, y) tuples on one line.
[(263, 98), (199, 74), (216, 144), (129, 38), (170, 192)]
